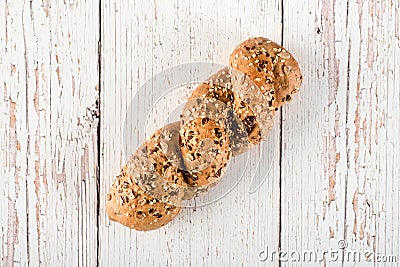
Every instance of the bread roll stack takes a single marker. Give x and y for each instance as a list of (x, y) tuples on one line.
[(228, 114)]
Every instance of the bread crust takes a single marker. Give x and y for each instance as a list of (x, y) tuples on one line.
[(193, 136), (244, 125), (271, 67), (129, 205)]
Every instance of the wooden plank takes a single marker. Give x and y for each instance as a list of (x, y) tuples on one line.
[(141, 39), (48, 65), (373, 190), (314, 161), (340, 180), (14, 210)]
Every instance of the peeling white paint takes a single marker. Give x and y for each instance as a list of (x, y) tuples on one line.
[(341, 133)]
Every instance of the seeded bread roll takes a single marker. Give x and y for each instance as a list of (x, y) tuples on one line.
[(226, 115), (271, 67), (129, 205), (145, 196)]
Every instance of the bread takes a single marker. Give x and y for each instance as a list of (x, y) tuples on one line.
[(240, 96), (129, 205), (213, 156), (225, 116), (159, 167), (241, 123), (270, 66), (173, 165)]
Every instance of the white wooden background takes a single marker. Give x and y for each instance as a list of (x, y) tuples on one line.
[(68, 70)]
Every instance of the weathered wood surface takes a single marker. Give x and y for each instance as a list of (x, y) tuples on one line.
[(49, 88), (341, 173), (63, 105)]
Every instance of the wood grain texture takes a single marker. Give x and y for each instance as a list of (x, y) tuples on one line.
[(314, 165), (373, 188), (337, 171), (348, 116), (49, 76)]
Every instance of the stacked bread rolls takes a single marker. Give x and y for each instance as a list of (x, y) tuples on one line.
[(226, 115)]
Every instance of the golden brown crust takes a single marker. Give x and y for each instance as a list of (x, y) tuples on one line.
[(271, 67), (248, 120), (243, 122), (176, 180), (164, 153), (129, 205), (217, 149)]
